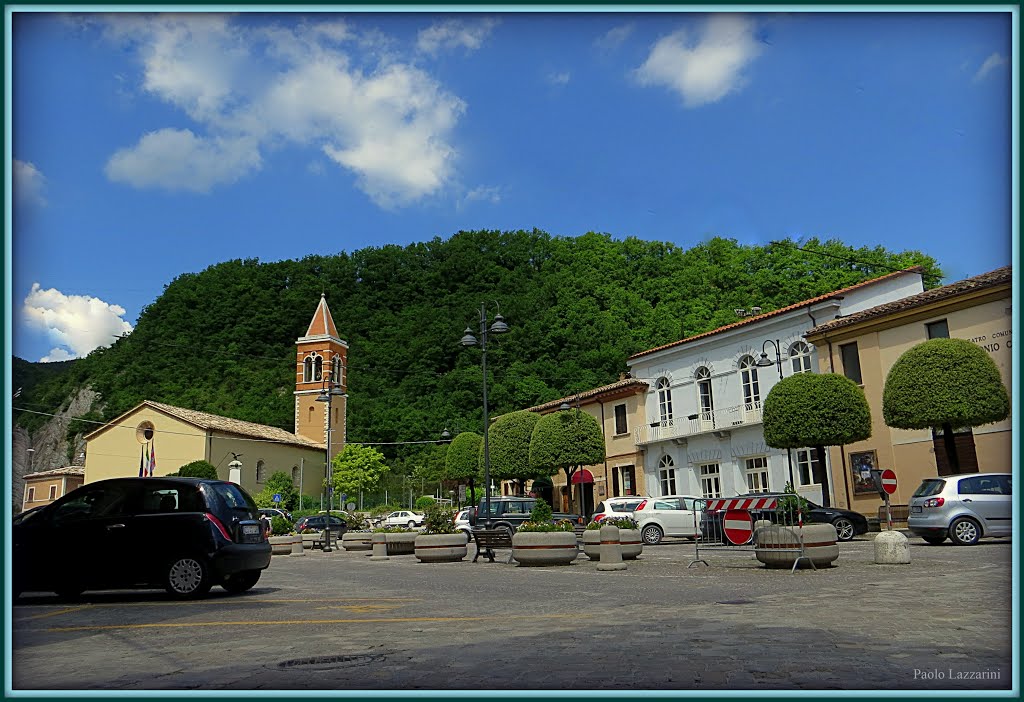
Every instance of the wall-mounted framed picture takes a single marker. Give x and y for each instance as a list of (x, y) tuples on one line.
[(861, 465)]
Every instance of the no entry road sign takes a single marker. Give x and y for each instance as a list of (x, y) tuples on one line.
[(738, 526), (889, 480)]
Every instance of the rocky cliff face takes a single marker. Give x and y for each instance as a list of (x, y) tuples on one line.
[(52, 448)]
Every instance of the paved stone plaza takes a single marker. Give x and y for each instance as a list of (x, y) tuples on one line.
[(340, 622)]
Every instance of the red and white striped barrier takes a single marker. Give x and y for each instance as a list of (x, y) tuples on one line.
[(741, 503)]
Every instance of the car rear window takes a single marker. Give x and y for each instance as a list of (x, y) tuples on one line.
[(929, 487), (234, 497), (625, 506)]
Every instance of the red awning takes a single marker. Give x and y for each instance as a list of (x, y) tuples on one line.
[(582, 476)]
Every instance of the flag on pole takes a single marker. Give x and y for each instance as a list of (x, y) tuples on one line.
[(142, 464), (152, 458)]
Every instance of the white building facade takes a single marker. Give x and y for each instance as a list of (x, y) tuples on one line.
[(704, 434)]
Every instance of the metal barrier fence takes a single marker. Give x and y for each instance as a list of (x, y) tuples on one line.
[(738, 524)]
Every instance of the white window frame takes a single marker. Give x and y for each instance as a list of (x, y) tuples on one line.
[(664, 388), (757, 474), (705, 396), (710, 480), (804, 465), (751, 386), (800, 356), (667, 475)]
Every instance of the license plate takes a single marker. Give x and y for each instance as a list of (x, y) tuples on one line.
[(248, 529), (916, 509)]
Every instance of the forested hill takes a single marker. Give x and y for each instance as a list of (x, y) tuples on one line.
[(223, 340)]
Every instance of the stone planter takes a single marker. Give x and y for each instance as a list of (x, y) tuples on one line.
[(632, 544), (544, 548), (773, 544), (282, 545), (441, 548), (357, 541), (401, 544)]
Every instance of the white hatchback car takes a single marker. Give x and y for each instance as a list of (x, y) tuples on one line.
[(462, 522), (617, 507), (404, 518), (668, 515)]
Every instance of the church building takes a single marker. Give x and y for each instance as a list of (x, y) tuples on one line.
[(154, 438)]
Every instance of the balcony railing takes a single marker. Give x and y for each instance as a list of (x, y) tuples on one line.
[(701, 423)]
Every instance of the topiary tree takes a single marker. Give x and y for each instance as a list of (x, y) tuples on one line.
[(198, 469), (463, 460), (425, 502), (819, 410), (566, 440), (279, 483), (509, 445), (944, 384)]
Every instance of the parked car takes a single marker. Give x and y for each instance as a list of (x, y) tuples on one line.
[(462, 521), (271, 512), (404, 518), (183, 534), (964, 508), (669, 515), (315, 523), (509, 512), (616, 507), (847, 522)]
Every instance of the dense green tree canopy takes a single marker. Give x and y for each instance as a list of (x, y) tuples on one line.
[(198, 469), (509, 446), (809, 409), (944, 381), (278, 483), (357, 468), (223, 340), (564, 441), (463, 460)]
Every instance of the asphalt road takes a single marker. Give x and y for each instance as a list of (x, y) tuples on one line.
[(341, 622)]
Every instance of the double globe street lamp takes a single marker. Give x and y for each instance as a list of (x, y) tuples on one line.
[(765, 362), (497, 327), (328, 392)]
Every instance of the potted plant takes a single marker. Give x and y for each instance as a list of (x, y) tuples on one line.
[(440, 541), (542, 542), (358, 536), (282, 536), (400, 540), (629, 538)]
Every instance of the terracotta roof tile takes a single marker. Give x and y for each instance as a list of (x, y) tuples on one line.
[(1000, 276), (322, 323), (781, 310), (591, 394), (69, 470), (205, 420)]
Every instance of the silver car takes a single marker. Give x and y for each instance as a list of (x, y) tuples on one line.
[(963, 508)]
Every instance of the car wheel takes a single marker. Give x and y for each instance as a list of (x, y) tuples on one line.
[(187, 577), (934, 540), (964, 531), (411, 524), (651, 534), (240, 582), (844, 529)]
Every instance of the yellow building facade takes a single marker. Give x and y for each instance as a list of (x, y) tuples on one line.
[(977, 309)]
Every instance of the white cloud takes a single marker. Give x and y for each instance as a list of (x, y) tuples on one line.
[(704, 69), (992, 62), (559, 78), (28, 184), (615, 37), (453, 34), (251, 88), (484, 193), (77, 324), (176, 159)]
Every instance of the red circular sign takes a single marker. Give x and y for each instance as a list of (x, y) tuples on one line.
[(738, 526), (889, 480)]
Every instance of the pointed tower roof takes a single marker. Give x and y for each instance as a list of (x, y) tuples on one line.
[(323, 323)]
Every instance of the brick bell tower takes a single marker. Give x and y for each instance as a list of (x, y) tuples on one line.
[(322, 361)]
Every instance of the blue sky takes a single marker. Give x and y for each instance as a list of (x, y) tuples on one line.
[(147, 146)]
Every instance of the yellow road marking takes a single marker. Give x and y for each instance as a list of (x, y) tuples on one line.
[(362, 609), (292, 622), (44, 615)]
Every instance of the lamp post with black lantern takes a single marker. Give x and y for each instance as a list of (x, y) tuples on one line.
[(765, 362), (497, 327), (328, 392)]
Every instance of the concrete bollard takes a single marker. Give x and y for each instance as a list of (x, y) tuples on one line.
[(297, 547), (611, 549), (892, 548), (380, 547)]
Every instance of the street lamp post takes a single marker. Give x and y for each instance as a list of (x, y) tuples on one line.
[(328, 392), (498, 327), (765, 362)]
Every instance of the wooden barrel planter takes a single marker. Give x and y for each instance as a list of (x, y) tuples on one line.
[(544, 548), (632, 544), (777, 546), (357, 541), (282, 545), (440, 548), (400, 543)]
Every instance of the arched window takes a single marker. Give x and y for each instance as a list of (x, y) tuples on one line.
[(748, 376), (800, 355), (261, 472), (318, 369), (336, 369), (667, 475), (664, 401), (704, 397), (296, 476)]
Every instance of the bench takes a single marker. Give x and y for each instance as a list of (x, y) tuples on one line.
[(489, 539)]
